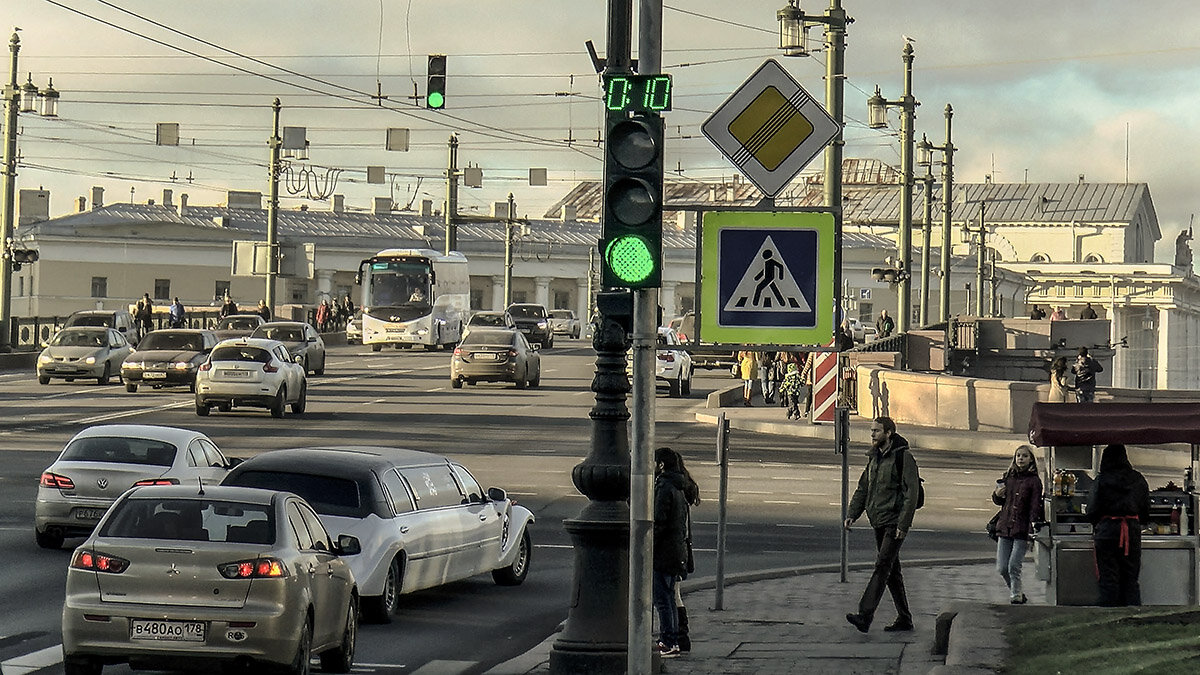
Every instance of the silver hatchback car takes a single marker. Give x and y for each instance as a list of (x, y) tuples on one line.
[(103, 461), (210, 576)]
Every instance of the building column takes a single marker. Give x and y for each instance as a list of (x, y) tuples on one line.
[(498, 294), (582, 300), (1120, 362), (324, 285), (1168, 345), (541, 294), (666, 298)]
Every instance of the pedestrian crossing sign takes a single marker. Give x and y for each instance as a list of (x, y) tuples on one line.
[(767, 277)]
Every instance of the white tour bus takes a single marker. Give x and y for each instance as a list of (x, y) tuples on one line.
[(414, 296)]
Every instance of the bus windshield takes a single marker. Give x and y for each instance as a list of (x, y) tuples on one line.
[(398, 283)]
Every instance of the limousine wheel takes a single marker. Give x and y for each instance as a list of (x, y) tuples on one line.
[(131, 387), (380, 608), (514, 574), (456, 382)]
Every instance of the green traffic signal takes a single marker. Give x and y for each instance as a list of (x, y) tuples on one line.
[(436, 99), (435, 88), (630, 259)]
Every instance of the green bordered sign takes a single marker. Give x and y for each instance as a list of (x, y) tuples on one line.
[(767, 277)]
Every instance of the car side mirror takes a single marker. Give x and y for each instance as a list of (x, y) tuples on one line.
[(45, 344), (537, 346), (231, 462), (497, 494), (312, 339), (347, 545), (299, 358)]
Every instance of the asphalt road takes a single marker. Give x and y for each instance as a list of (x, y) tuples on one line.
[(784, 493)]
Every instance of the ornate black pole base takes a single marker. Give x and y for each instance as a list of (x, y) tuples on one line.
[(595, 639)]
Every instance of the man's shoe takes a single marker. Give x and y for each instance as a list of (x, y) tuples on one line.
[(666, 652), (1019, 600), (898, 625), (858, 621)]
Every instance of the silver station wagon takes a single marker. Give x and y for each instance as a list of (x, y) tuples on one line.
[(422, 520), (210, 577)]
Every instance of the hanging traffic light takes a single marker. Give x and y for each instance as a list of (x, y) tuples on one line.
[(435, 88), (24, 255), (631, 239)]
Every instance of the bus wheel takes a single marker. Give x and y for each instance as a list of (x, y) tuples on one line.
[(376, 347)]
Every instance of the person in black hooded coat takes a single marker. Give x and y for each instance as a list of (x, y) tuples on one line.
[(1118, 505), (670, 545)]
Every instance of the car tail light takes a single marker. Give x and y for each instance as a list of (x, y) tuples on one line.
[(157, 481), (512, 353), (259, 568), (682, 337), (458, 351), (98, 562), (206, 366), (268, 367), (53, 480), (669, 358)]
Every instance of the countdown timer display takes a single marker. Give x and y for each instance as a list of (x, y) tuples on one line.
[(637, 93)]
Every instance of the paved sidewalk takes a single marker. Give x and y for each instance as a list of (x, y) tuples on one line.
[(796, 623)]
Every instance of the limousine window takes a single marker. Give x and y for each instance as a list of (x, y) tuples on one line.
[(397, 492), (433, 486), (469, 484), (328, 495)]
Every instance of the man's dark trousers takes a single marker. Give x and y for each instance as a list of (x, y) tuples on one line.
[(887, 574)]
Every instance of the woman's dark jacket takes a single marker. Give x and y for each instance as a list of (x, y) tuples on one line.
[(1119, 490), (670, 523), (1021, 504)]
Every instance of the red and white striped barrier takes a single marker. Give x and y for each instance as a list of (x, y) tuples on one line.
[(825, 386)]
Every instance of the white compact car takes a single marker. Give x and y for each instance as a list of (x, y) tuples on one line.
[(251, 372), (103, 461), (422, 520), (672, 363)]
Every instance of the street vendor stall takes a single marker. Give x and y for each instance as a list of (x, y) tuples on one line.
[(1074, 436)]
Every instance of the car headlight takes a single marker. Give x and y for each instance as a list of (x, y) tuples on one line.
[(541, 324), (91, 360), (182, 365), (134, 365), (423, 331), (44, 358)]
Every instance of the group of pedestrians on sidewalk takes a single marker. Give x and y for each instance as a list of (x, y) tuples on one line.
[(1084, 369), (785, 379)]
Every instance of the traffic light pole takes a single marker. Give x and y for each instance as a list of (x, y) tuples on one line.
[(273, 210), (452, 201), (12, 101)]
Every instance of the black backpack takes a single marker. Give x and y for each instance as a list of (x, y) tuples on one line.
[(920, 485)]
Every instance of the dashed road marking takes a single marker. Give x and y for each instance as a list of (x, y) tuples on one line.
[(34, 661)]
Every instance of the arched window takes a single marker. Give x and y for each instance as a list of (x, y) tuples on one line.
[(1039, 258), (1093, 258)]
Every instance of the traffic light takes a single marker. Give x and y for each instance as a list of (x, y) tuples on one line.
[(631, 238), (24, 255), (435, 88)]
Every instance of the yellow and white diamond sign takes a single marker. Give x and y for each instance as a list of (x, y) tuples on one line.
[(770, 128)]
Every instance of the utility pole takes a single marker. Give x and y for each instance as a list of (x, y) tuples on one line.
[(947, 208), (981, 259), (452, 201), (927, 231), (508, 242), (12, 101), (273, 209), (645, 330)]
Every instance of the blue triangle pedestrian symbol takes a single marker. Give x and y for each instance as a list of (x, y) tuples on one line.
[(767, 285)]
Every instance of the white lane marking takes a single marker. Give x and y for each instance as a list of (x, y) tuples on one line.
[(973, 508), (444, 667), (752, 492), (46, 397), (793, 525), (553, 546), (713, 522), (791, 478), (523, 494), (780, 501), (28, 663)]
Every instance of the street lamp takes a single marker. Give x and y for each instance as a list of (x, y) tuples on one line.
[(792, 29), (925, 158), (877, 107), (17, 98)]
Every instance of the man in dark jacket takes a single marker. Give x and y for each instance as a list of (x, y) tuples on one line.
[(1085, 369), (1117, 506), (885, 324), (670, 545), (887, 492)]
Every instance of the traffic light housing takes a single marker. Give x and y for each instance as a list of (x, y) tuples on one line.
[(435, 88), (24, 255), (632, 228)]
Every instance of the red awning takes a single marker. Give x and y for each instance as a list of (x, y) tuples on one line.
[(1104, 423)]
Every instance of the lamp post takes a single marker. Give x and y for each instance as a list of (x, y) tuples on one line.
[(274, 143), (877, 107), (925, 158), (26, 99)]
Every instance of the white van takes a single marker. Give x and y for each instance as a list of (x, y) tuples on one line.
[(119, 320)]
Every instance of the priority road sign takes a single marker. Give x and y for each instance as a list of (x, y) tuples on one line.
[(771, 128), (767, 277)]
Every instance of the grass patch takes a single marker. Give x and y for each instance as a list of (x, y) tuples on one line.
[(1101, 641)]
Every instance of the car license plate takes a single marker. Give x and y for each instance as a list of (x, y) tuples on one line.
[(235, 373), (177, 631), (154, 376), (484, 356), (89, 514)]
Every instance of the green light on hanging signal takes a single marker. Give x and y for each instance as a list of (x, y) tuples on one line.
[(629, 258)]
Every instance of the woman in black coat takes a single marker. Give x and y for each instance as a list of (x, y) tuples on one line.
[(1019, 493), (1117, 506)]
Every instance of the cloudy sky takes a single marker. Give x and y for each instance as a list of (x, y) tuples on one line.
[(1041, 91)]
